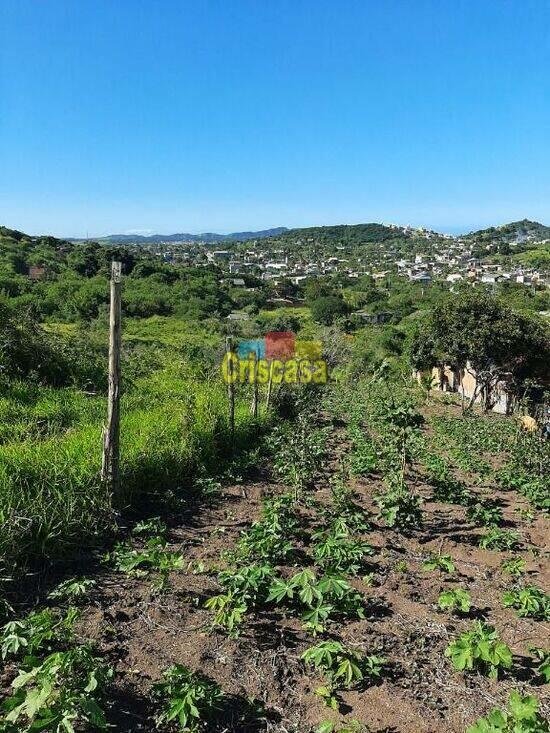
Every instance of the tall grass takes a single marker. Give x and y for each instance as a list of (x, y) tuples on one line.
[(51, 498)]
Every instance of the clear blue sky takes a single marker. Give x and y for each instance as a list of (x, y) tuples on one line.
[(224, 115)]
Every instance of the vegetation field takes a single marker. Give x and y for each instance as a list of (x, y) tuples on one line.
[(365, 556)]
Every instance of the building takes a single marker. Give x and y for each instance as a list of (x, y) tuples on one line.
[(375, 318), (38, 272), (447, 378)]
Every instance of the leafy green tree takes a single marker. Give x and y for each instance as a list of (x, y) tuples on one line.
[(325, 310), (479, 333)]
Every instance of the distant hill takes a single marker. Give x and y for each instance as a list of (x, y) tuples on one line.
[(517, 232), (184, 237), (345, 233)]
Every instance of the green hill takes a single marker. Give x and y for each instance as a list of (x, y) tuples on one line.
[(517, 232)]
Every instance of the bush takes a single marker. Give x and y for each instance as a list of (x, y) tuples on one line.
[(326, 309)]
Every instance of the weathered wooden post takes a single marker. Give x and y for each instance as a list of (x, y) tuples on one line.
[(255, 396), (230, 386), (269, 386), (110, 468)]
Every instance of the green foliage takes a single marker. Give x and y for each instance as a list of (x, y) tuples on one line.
[(481, 650), (39, 632), (514, 566), (529, 602), (352, 726), (59, 695), (52, 501), (543, 662), (521, 717), (337, 552), (398, 507), (297, 451), (363, 456), (229, 610), (457, 600), (485, 514), (443, 563), (478, 329), (187, 699), (28, 351), (152, 555), (500, 539), (327, 308), (446, 487), (341, 666), (72, 589), (268, 539), (244, 588), (317, 600), (344, 514)]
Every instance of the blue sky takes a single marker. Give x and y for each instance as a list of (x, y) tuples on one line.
[(224, 115)]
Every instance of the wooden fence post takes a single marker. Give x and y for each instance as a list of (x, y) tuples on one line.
[(269, 386), (110, 468), (255, 396), (230, 387)]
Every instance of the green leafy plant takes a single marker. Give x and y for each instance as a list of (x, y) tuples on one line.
[(244, 588), (443, 563), (297, 453), (500, 539), (154, 526), (152, 555), (455, 600), (317, 600), (529, 602), (40, 631), (446, 487), (352, 726), (345, 515), (72, 589), (58, 694), (363, 456), (480, 649), (229, 611), (267, 540), (187, 698), (342, 667), (543, 658), (398, 507), (485, 514), (521, 716), (337, 552), (515, 566)]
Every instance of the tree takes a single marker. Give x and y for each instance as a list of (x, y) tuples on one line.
[(477, 332), (327, 308)]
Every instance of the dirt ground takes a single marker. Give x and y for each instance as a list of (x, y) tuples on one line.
[(141, 634)]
